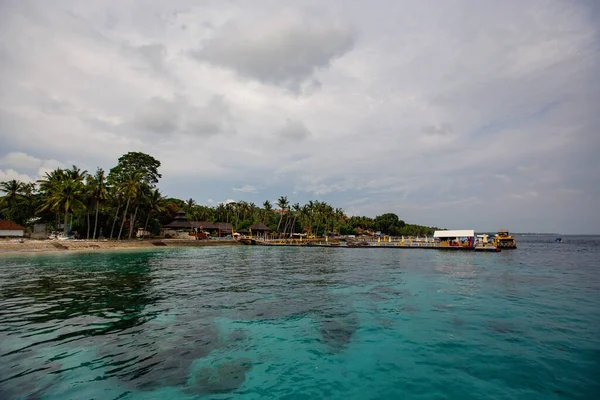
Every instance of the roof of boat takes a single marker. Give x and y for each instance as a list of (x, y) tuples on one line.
[(454, 234)]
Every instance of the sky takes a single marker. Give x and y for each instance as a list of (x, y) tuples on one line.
[(457, 114)]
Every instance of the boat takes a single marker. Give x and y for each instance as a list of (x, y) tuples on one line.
[(504, 240), (357, 244), (558, 240)]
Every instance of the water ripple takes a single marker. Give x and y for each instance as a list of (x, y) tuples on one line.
[(255, 322)]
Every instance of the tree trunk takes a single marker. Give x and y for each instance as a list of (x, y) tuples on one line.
[(88, 225), (285, 226), (146, 224), (66, 219), (131, 225), (293, 227), (124, 218), (96, 219), (115, 220), (279, 223)]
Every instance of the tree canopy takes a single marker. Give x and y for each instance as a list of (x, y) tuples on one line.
[(127, 199), (136, 162)]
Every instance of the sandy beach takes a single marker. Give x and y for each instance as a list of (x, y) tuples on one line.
[(15, 246)]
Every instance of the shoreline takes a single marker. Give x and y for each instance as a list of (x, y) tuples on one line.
[(32, 246)]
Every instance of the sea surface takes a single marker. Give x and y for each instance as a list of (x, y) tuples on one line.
[(303, 323)]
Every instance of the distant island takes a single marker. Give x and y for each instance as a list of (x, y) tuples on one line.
[(117, 204)]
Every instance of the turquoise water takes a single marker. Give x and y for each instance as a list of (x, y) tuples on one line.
[(303, 323)]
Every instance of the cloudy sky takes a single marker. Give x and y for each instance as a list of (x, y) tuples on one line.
[(461, 114)]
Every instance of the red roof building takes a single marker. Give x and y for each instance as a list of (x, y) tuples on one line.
[(9, 228)]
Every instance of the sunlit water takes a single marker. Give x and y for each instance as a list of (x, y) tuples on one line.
[(303, 323)]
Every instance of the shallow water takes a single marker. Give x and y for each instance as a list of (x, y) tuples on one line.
[(303, 323)]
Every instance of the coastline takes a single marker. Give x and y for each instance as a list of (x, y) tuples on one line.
[(30, 246)]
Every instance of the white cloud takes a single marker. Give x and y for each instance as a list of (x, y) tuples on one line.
[(158, 115), (294, 131), (10, 174), (282, 49), (246, 189), (340, 103), (18, 159), (523, 196)]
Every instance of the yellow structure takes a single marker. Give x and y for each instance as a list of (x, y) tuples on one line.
[(504, 240)]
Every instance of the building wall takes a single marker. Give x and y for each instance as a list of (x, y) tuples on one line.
[(39, 227), (13, 233)]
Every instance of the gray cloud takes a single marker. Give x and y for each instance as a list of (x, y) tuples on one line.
[(154, 54), (282, 50), (294, 131), (158, 115), (164, 116), (491, 105), (211, 119), (441, 130)]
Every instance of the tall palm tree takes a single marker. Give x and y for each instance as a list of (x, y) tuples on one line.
[(220, 212), (282, 203), (47, 185), (339, 219), (130, 187), (99, 194), (116, 193), (154, 204), (188, 205), (14, 195), (65, 191), (268, 208), (296, 207)]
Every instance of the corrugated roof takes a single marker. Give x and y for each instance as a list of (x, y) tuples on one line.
[(259, 227), (203, 225), (224, 226), (177, 224), (454, 234), (7, 225)]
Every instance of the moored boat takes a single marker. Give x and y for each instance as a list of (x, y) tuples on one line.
[(357, 244), (504, 240)]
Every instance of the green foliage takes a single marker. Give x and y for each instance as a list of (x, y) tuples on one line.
[(118, 204), (136, 162), (19, 201)]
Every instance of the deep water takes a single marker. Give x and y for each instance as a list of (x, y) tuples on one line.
[(303, 323)]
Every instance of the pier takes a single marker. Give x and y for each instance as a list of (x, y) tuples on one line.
[(385, 242)]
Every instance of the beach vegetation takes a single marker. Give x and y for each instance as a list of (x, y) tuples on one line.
[(117, 204)]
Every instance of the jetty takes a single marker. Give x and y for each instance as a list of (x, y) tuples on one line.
[(450, 240)]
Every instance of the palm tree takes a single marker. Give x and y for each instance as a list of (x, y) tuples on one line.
[(130, 187), (144, 191), (66, 194), (99, 191), (282, 203), (154, 204), (220, 212), (268, 208), (296, 207), (188, 205), (14, 195), (48, 185), (117, 196)]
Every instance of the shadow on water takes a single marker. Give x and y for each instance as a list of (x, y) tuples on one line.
[(222, 378), (337, 331), (63, 304)]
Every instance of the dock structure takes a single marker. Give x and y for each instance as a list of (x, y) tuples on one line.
[(442, 240)]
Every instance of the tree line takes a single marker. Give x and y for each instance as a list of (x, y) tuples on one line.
[(116, 204)]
